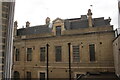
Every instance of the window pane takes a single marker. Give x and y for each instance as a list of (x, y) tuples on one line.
[(16, 75), (29, 54), (17, 55), (28, 75), (58, 30), (42, 76), (92, 52), (42, 54), (58, 53), (76, 55)]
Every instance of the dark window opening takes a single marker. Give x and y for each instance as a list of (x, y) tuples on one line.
[(76, 54), (29, 54), (58, 30), (28, 75), (3, 60), (58, 54), (42, 54), (17, 55), (42, 75), (119, 11), (92, 52), (16, 75)]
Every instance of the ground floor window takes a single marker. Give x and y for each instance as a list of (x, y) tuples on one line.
[(28, 75), (42, 76), (16, 75)]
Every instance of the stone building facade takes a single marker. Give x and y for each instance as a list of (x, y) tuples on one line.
[(69, 48), (6, 37), (116, 51)]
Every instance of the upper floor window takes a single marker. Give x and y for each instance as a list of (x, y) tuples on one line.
[(76, 54), (92, 52), (42, 54), (29, 54), (58, 30), (58, 54), (17, 55)]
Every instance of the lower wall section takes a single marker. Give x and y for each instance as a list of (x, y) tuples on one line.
[(63, 72)]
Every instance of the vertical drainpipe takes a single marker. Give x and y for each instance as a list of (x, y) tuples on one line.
[(69, 44), (47, 46)]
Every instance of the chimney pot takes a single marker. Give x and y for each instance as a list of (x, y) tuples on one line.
[(47, 20), (90, 18), (15, 24), (27, 24)]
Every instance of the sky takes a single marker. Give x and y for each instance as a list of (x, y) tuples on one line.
[(36, 11)]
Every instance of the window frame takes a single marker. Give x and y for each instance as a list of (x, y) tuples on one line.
[(17, 54), (43, 54), (28, 78), (93, 58), (42, 72), (18, 75), (58, 30), (59, 54), (76, 61), (28, 54)]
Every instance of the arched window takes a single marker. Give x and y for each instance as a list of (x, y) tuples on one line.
[(16, 75)]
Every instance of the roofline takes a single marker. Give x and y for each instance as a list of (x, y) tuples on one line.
[(34, 26), (116, 37), (73, 34)]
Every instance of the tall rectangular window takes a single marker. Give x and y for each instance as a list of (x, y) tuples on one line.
[(42, 75), (92, 52), (76, 54), (58, 54), (42, 54), (28, 75), (119, 10), (17, 55), (58, 30), (29, 54)]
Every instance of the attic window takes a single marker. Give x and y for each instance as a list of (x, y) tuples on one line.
[(58, 30)]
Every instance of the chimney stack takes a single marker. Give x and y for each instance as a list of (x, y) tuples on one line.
[(47, 20), (27, 24), (15, 24), (89, 17), (15, 28)]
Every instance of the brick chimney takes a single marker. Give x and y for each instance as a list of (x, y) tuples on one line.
[(47, 20), (15, 28), (89, 18), (27, 24)]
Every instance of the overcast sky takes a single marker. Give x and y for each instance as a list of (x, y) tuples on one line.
[(36, 11)]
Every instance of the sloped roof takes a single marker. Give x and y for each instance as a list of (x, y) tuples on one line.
[(79, 23), (34, 30), (74, 23)]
